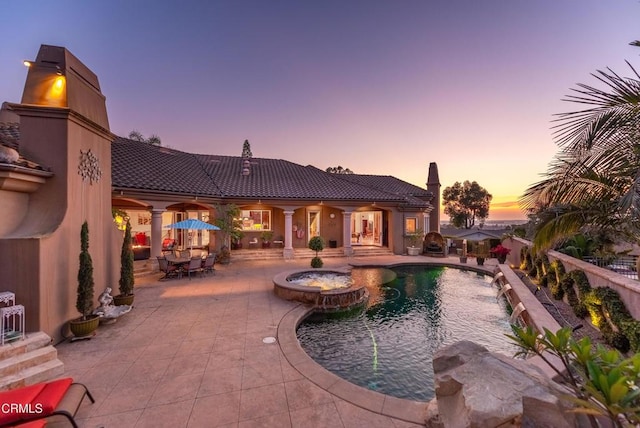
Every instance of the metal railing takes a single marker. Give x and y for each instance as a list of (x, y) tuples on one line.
[(622, 265)]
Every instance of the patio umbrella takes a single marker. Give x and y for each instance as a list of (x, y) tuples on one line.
[(192, 224)]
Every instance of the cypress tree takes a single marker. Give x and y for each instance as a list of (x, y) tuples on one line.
[(126, 263), (84, 302)]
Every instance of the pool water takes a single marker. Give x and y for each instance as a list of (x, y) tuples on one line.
[(389, 347)]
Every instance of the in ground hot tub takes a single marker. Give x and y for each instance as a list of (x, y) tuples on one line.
[(328, 290)]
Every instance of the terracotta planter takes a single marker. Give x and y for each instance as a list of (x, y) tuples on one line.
[(120, 300), (84, 328)]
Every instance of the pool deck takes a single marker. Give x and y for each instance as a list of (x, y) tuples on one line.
[(191, 354)]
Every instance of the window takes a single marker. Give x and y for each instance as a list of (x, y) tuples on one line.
[(255, 220), (410, 225)]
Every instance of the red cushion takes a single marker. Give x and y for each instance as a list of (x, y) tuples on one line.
[(51, 395), (33, 424), (22, 396)]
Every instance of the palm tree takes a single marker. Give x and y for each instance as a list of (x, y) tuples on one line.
[(594, 181)]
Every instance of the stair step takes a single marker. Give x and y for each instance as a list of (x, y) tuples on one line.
[(24, 361), (32, 375), (305, 253), (31, 341)]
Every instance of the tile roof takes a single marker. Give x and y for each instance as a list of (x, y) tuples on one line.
[(10, 137), (143, 166), (413, 195), (10, 134), (139, 165)]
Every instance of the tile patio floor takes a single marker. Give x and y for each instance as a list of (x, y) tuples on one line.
[(190, 354)]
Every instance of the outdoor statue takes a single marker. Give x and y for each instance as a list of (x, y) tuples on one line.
[(107, 310)]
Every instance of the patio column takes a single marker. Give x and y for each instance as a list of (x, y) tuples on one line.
[(287, 253), (346, 233), (156, 233)]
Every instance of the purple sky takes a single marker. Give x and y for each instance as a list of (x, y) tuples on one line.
[(377, 87)]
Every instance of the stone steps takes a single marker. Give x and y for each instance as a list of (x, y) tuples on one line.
[(305, 253), (29, 361)]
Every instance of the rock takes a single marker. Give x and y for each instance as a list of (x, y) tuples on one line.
[(8, 155), (477, 388), (432, 415)]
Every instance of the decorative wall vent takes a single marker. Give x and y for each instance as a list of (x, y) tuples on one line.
[(89, 167)]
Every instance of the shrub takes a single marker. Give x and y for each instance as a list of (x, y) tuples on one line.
[(316, 244), (126, 263), (84, 301), (602, 381), (631, 329)]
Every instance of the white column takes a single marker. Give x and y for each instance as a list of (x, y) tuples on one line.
[(346, 233), (287, 253), (156, 232)]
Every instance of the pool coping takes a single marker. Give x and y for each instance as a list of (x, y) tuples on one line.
[(387, 405), (398, 408)]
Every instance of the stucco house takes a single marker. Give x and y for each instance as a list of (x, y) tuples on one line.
[(157, 186), (60, 165)]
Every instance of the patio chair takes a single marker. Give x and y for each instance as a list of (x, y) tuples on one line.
[(167, 268), (53, 403), (195, 266), (207, 264)]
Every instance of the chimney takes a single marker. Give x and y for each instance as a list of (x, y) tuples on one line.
[(433, 186)]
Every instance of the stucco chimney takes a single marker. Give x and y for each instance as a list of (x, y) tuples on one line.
[(433, 185)]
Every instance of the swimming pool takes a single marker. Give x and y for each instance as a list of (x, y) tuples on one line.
[(389, 347)]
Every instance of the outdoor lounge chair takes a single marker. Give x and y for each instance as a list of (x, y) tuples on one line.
[(167, 268), (49, 403), (194, 266), (207, 264)]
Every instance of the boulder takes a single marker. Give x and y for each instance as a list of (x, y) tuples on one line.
[(477, 388)]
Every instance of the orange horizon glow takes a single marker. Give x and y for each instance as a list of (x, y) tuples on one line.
[(501, 208)]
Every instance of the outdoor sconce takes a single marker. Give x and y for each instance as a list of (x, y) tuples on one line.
[(46, 84)]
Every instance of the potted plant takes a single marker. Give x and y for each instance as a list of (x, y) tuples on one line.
[(266, 236), (481, 253), (236, 239), (501, 253), (414, 238), (316, 244), (88, 322), (126, 271), (230, 229)]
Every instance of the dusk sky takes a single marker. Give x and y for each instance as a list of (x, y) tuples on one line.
[(380, 87)]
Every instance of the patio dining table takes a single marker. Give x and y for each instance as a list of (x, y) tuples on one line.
[(179, 262)]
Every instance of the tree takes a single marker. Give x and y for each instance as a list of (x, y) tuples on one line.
[(154, 140), (466, 202), (136, 135), (338, 170), (592, 185), (246, 149), (227, 219), (84, 301), (126, 263)]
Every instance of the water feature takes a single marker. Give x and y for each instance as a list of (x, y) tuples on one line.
[(389, 347)]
